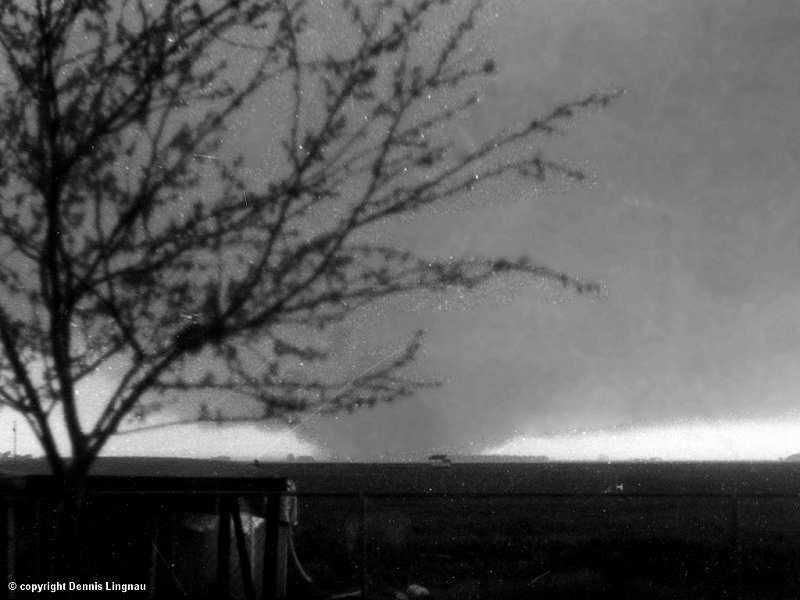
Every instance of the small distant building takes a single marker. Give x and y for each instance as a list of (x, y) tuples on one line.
[(292, 458), (440, 460)]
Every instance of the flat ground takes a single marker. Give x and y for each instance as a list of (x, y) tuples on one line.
[(610, 541)]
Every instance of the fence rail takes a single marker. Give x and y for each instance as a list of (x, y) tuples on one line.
[(546, 495)]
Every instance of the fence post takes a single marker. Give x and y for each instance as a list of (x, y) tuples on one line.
[(223, 547), (153, 575), (9, 552), (737, 544), (276, 544), (363, 531), (241, 551)]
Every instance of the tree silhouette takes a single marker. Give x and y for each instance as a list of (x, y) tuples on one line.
[(130, 236)]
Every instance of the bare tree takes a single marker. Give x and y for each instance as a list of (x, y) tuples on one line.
[(131, 237)]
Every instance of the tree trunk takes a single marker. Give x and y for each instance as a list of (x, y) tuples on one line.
[(67, 543)]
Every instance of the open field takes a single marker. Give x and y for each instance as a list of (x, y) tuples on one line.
[(610, 530)]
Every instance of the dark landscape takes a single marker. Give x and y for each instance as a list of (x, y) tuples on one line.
[(550, 530)]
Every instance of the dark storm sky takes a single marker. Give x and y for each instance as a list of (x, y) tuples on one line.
[(691, 223)]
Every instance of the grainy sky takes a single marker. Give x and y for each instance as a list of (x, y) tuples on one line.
[(691, 223)]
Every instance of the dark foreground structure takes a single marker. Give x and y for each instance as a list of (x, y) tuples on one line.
[(163, 528), (655, 530)]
